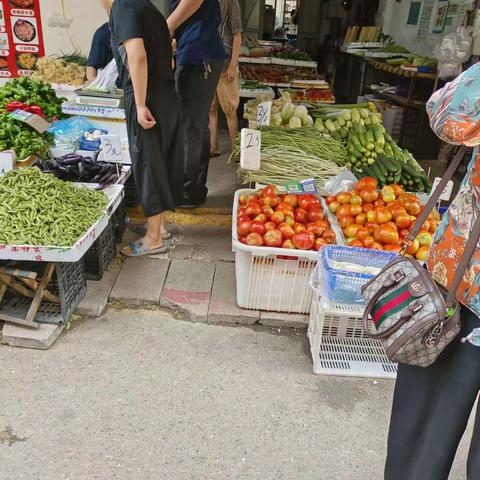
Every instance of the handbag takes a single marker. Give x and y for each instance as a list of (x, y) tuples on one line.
[(416, 318)]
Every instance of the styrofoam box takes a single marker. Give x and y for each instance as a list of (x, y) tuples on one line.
[(339, 345), (68, 254), (271, 279)]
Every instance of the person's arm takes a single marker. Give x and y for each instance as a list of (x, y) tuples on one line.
[(232, 71), (138, 68), (91, 74), (185, 9)]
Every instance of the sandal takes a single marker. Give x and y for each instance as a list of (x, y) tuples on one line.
[(140, 249), (142, 230)]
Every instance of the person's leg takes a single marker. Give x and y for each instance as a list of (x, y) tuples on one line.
[(430, 411), (213, 126), (473, 464), (229, 98), (232, 122)]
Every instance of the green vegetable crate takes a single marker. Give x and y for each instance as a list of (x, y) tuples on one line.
[(68, 283)]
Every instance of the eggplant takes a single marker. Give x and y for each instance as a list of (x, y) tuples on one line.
[(109, 181)]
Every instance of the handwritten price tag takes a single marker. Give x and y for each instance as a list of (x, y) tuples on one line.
[(264, 111), (250, 144), (7, 161), (447, 192), (111, 148)]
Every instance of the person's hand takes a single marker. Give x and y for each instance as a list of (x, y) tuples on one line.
[(232, 73), (145, 118)]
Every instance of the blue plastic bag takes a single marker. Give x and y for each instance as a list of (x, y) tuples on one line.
[(68, 132)]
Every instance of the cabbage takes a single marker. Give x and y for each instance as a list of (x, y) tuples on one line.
[(276, 119), (301, 111), (286, 96), (319, 125), (294, 122), (288, 111), (307, 121)]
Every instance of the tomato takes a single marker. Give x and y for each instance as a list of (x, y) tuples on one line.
[(344, 198), (292, 200), (372, 216), (278, 218), (270, 190), (397, 189), (273, 238), (254, 239), (252, 210), (387, 190), (422, 253), (383, 215), (242, 218), (304, 201), (352, 230), (371, 227), (314, 203), (329, 236), (425, 227), (241, 212), (412, 207), (367, 207), (343, 211), (284, 207), (267, 211), (346, 221), (402, 221), (315, 214), (243, 199), (330, 199), (260, 218), (386, 234), (301, 215), (412, 247), (355, 243), (368, 241), (368, 195), (408, 196), (244, 227), (436, 215), (393, 248), (355, 210), (288, 244), (271, 200), (397, 211), (286, 231), (356, 200), (425, 239), (270, 226), (366, 183), (361, 219), (433, 226), (319, 243), (243, 240), (404, 233), (376, 246), (304, 240), (289, 220), (392, 224), (253, 198), (362, 233), (316, 228), (333, 207), (379, 203), (299, 227), (258, 227)]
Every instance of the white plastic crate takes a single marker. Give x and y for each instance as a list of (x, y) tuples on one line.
[(339, 346), (272, 279)]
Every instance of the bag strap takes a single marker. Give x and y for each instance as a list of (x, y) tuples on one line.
[(473, 237)]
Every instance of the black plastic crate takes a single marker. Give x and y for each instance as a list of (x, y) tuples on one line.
[(131, 196), (119, 219), (101, 253), (68, 282)]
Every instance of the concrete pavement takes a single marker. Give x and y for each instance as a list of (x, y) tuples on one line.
[(137, 395)]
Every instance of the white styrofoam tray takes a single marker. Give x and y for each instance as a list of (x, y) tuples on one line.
[(40, 253)]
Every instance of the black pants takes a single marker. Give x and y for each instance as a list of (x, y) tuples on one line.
[(196, 88), (431, 408)]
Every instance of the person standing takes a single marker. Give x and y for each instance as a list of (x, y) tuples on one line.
[(228, 89), (432, 406), (100, 52), (142, 49), (200, 60)]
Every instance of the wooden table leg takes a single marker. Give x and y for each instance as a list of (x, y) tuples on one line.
[(37, 299)]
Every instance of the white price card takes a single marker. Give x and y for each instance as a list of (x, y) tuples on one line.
[(111, 148), (7, 161), (250, 144), (447, 192), (264, 111)]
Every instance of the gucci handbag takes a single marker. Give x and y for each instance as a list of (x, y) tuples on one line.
[(414, 317)]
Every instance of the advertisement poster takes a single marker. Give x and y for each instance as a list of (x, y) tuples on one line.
[(21, 39)]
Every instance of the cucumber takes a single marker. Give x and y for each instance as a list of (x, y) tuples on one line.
[(369, 136), (355, 140), (390, 164), (353, 151), (398, 177), (407, 168), (382, 168), (378, 173)]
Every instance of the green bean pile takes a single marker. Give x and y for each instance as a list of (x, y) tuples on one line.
[(38, 209)]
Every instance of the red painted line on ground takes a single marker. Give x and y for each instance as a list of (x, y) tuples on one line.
[(185, 296)]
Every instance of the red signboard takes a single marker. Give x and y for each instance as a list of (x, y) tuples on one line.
[(21, 38)]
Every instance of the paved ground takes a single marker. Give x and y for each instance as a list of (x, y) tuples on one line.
[(136, 395)]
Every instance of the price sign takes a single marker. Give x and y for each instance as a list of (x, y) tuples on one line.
[(264, 110), (250, 143), (447, 192), (7, 161), (111, 148), (303, 186)]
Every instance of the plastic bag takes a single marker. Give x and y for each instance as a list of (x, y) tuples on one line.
[(67, 132), (454, 50), (343, 182), (106, 78)]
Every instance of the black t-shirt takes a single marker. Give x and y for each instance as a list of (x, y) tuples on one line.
[(131, 19)]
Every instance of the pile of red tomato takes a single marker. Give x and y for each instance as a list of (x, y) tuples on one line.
[(382, 219), (268, 218)]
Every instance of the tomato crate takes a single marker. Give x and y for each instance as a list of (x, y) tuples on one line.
[(339, 345), (271, 279)]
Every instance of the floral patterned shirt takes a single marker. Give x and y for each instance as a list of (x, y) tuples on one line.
[(454, 113)]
